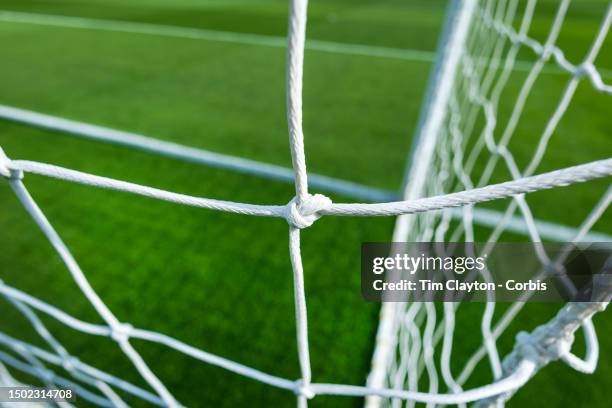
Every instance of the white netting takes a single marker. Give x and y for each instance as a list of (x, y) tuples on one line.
[(461, 143), (473, 90)]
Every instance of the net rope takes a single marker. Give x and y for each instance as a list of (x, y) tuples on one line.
[(475, 91)]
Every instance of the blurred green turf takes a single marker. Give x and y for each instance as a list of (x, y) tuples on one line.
[(223, 282)]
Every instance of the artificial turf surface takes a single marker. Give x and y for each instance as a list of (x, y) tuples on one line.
[(223, 282)]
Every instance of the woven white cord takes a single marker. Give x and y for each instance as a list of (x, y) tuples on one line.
[(81, 280), (580, 173), (296, 39), (545, 51), (558, 178), (301, 317), (111, 184), (548, 342), (474, 97), (304, 209), (563, 177), (68, 362), (577, 73), (297, 386), (99, 330), (531, 351)]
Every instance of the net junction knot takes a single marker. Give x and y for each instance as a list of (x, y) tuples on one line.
[(303, 215), (531, 347)]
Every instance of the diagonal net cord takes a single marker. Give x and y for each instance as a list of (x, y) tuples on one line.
[(100, 330), (120, 332), (67, 359), (301, 212)]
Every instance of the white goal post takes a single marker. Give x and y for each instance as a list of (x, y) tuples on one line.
[(479, 51)]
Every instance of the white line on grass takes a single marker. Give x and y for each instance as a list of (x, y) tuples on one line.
[(238, 38), (484, 217), (548, 230), (191, 154), (209, 35)]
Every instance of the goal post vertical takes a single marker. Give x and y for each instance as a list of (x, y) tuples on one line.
[(450, 49)]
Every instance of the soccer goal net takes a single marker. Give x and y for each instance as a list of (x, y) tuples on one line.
[(489, 65), (462, 142)]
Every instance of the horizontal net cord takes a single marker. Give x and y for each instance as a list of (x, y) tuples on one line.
[(301, 212), (279, 382), (481, 216), (523, 372), (118, 185), (60, 381), (557, 178), (248, 166), (509, 383)]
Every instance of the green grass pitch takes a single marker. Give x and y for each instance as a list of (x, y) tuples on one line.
[(223, 282)]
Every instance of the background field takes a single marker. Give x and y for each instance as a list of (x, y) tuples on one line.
[(223, 282)]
